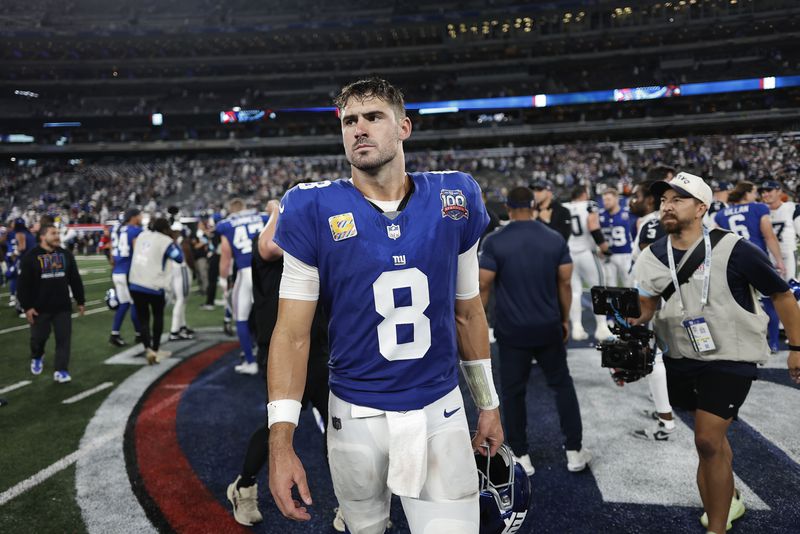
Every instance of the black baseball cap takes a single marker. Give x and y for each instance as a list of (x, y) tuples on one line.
[(542, 184), (130, 213), (769, 185)]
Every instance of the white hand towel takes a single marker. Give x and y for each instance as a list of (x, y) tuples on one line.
[(408, 452)]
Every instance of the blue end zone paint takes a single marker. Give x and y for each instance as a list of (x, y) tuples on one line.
[(221, 409)]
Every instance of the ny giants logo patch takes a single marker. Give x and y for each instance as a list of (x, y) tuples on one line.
[(454, 204)]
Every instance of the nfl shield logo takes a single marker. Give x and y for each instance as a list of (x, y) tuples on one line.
[(393, 231)]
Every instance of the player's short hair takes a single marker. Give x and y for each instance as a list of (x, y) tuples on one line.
[(520, 198), (373, 87), (43, 229), (611, 191), (577, 192), (660, 173), (741, 189), (161, 225), (235, 204)]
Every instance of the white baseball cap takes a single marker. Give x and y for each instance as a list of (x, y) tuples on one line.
[(686, 185)]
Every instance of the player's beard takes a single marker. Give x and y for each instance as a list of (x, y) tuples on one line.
[(673, 225), (371, 162)]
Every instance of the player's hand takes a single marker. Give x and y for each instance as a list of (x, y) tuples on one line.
[(30, 315), (781, 268), (794, 366), (81, 309), (490, 432), (565, 331), (285, 472), (273, 207), (223, 283)]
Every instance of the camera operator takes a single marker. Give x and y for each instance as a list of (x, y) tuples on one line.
[(711, 329)]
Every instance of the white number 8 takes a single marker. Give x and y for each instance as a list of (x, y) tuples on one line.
[(383, 291)]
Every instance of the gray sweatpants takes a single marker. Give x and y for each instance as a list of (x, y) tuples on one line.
[(40, 331)]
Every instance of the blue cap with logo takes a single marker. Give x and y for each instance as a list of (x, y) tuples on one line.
[(769, 185)]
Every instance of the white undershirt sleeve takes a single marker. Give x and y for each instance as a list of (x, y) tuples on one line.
[(299, 281), (467, 283)]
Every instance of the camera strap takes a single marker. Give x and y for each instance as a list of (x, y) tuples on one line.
[(697, 257)]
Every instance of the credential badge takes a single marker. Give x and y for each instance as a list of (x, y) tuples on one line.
[(342, 226), (454, 204), (393, 230)]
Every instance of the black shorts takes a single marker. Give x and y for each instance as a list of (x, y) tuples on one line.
[(708, 387)]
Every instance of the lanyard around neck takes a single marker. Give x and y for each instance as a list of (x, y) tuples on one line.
[(706, 269)]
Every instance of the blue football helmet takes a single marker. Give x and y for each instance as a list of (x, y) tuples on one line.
[(505, 492), (111, 299)]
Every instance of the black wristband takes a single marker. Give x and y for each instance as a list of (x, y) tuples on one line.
[(794, 347), (598, 236)]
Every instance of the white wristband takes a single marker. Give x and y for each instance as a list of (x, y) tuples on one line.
[(478, 374), (283, 411)]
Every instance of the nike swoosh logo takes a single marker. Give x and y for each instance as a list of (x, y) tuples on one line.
[(450, 414), (280, 208)]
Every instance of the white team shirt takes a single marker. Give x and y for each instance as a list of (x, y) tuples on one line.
[(581, 239), (786, 224)]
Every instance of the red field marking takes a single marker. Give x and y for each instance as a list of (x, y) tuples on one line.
[(168, 478)]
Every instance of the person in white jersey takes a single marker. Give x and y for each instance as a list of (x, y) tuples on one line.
[(785, 218), (586, 238)]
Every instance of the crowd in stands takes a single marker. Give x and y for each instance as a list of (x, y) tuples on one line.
[(96, 192)]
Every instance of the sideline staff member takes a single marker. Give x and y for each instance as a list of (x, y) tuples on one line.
[(47, 273), (712, 338), (531, 269)]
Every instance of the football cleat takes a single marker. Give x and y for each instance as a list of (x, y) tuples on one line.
[(37, 364), (207, 307), (62, 377), (578, 460), (116, 340), (180, 336), (578, 333), (247, 368), (736, 511), (245, 503), (187, 330), (525, 462)]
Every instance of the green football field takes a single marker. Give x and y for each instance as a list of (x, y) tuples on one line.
[(36, 429)]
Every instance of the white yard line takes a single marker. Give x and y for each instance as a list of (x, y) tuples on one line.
[(87, 393), (12, 387), (74, 316)]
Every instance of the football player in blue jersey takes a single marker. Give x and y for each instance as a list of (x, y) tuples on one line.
[(123, 238), (236, 246), (392, 257), (20, 241), (751, 220), (616, 225)]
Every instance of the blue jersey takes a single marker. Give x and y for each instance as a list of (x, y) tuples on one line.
[(617, 230), (240, 229), (388, 285), (744, 220), (122, 246)]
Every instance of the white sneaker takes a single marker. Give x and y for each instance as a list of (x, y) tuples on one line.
[(602, 332), (247, 368), (736, 511), (578, 333), (245, 503), (338, 521), (151, 355), (578, 460), (525, 462)]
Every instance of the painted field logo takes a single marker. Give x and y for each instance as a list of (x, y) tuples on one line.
[(454, 204), (342, 226)]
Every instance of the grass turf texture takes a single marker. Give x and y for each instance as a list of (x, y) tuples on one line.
[(36, 429)]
